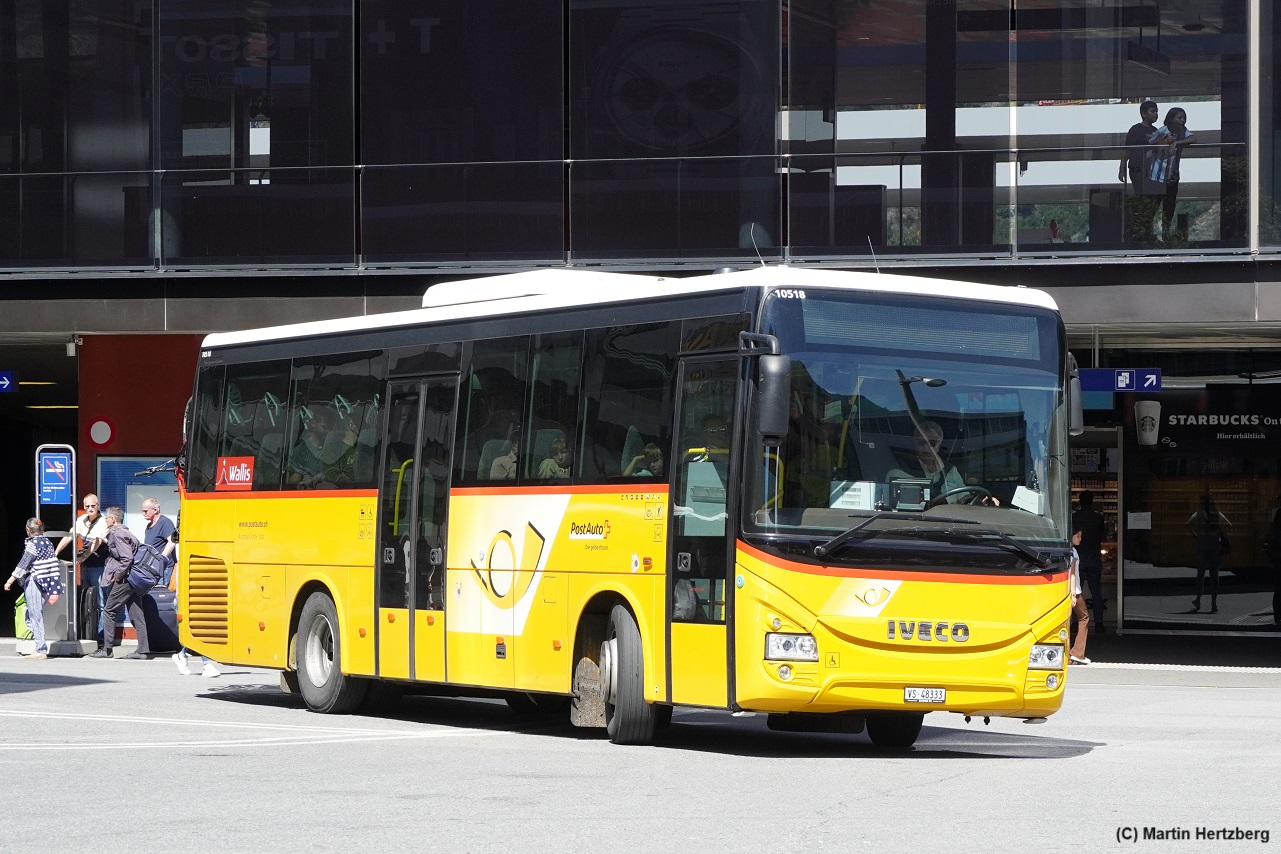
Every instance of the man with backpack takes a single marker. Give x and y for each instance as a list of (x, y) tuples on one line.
[(122, 547), (160, 530)]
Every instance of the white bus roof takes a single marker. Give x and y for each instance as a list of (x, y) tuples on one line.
[(560, 288)]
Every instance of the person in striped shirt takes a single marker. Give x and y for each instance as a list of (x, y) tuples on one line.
[(1170, 139), (41, 578)]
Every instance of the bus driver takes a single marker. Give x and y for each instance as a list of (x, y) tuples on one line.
[(942, 477)]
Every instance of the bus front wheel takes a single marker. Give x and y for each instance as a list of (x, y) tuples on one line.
[(628, 718), (896, 730), (321, 681)]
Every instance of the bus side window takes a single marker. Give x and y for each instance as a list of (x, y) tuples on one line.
[(333, 432), (250, 431), (203, 459), (555, 368), (627, 390), (493, 399)]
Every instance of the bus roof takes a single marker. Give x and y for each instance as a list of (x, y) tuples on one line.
[(561, 288)]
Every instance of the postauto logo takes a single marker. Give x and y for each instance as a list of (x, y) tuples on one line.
[(589, 530), (234, 473)]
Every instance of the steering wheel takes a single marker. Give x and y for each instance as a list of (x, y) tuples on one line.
[(960, 490)]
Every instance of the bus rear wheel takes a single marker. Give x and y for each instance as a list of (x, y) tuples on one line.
[(321, 682), (628, 718), (896, 730)]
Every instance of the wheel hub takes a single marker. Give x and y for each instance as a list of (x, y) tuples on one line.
[(609, 670), (319, 652)]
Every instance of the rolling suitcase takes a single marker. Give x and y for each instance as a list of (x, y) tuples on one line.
[(87, 619), (160, 607)]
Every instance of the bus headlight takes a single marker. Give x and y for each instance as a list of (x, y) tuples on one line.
[(1046, 656), (784, 647)]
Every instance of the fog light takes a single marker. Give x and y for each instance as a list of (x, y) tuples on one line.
[(784, 672), (1052, 681), (1063, 634)]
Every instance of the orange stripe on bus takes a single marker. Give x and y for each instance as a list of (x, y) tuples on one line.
[(297, 493)]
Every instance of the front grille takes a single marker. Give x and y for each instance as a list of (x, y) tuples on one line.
[(207, 615)]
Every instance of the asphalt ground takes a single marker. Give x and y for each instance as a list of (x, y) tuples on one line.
[(108, 755)]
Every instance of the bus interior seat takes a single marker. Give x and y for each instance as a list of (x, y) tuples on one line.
[(542, 445), (369, 426), (267, 438), (272, 405), (492, 450), (239, 437), (335, 446), (633, 447)]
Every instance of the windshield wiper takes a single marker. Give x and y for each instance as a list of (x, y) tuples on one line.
[(1006, 540), (823, 549)]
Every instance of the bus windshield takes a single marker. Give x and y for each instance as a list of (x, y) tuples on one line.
[(937, 430)]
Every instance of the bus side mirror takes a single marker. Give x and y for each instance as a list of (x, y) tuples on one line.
[(1076, 412), (773, 394)]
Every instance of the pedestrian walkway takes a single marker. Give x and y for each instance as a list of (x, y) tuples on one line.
[(1185, 650), (11, 647)]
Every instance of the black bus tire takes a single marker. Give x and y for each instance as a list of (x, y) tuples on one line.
[(628, 718), (323, 685), (381, 697)]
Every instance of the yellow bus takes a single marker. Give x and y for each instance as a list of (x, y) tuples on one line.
[(836, 498)]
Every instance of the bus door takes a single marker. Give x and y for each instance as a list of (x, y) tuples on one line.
[(700, 563), (413, 499)]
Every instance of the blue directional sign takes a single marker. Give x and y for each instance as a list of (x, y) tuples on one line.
[(55, 479), (1121, 379), (8, 381)]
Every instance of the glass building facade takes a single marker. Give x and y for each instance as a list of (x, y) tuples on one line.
[(365, 133)]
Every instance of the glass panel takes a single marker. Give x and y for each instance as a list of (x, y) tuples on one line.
[(84, 220), (255, 84), (1083, 78), (1270, 112), (397, 497), (553, 406), (254, 416), (652, 79), (700, 503), (675, 208), (74, 101), (206, 429), (463, 212), (487, 81), (490, 427), (433, 501), (1211, 461), (258, 216), (336, 406), (880, 83), (917, 407), (1057, 214), (627, 401)]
